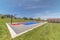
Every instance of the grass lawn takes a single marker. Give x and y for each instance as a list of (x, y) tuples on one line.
[(4, 33), (49, 31)]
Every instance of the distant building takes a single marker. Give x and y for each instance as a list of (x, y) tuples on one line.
[(54, 20)]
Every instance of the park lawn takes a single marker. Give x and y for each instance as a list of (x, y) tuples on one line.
[(49, 31)]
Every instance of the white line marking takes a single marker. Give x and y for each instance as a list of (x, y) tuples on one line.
[(13, 34)]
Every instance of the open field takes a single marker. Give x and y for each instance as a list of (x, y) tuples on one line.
[(49, 31)]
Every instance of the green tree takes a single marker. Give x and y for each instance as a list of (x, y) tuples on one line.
[(31, 18), (25, 18), (38, 19), (2, 17)]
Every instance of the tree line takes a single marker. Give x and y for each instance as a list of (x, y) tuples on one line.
[(24, 18)]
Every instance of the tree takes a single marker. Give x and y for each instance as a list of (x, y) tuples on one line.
[(25, 18), (38, 19), (30, 18), (15, 17), (2, 17)]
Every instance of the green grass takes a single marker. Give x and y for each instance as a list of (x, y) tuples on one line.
[(49, 31), (4, 33)]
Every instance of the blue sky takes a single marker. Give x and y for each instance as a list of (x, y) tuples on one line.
[(31, 8)]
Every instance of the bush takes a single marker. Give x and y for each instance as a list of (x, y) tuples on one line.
[(2, 17)]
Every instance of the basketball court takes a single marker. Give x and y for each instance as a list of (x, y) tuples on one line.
[(19, 28)]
